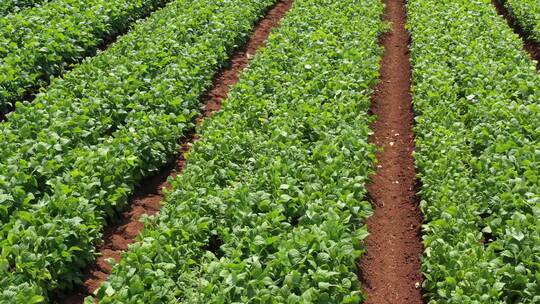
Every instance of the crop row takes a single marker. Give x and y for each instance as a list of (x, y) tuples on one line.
[(132, 105), (41, 140), (270, 206), (477, 98), (527, 14), (14, 6), (43, 41)]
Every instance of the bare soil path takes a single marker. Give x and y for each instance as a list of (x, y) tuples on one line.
[(531, 46), (390, 271), (149, 195)]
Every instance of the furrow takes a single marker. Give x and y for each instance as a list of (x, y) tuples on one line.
[(149, 195), (390, 270)]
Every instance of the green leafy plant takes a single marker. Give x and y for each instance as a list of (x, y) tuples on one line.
[(41, 42), (477, 97), (270, 208), (87, 105), (15, 6), (527, 14), (133, 103)]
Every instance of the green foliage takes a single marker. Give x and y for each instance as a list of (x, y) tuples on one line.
[(477, 98), (40, 140), (114, 119), (15, 6), (269, 208), (39, 43), (527, 14)]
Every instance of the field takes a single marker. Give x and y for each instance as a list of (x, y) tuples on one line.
[(270, 151)]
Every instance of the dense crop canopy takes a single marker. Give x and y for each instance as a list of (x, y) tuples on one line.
[(41, 139), (477, 97), (43, 41), (527, 14), (131, 105), (270, 206), (14, 6)]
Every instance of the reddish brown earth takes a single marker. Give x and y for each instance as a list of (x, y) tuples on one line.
[(390, 270), (149, 195), (531, 46)]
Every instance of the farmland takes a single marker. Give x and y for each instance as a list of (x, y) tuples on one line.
[(41, 42), (477, 153), (269, 151), (13, 6), (527, 15)]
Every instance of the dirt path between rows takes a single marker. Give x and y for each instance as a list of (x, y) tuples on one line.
[(390, 270), (148, 197), (531, 46)]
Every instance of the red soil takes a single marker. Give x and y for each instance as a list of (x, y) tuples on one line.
[(149, 195), (390, 270), (531, 46)]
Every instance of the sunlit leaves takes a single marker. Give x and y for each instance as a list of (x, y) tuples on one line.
[(125, 129), (477, 98), (42, 42), (277, 176), (527, 14)]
